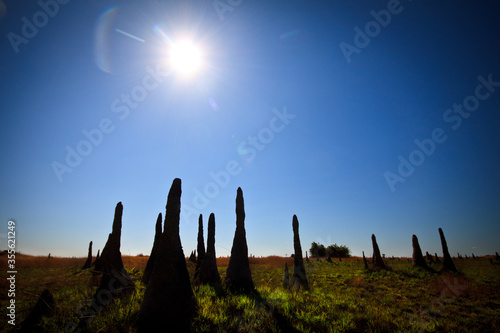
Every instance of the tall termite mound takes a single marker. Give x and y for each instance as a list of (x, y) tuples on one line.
[(365, 261), (238, 274), (200, 248), (88, 262), (299, 278), (447, 261), (151, 261), (110, 262), (115, 281), (169, 303), (377, 258), (417, 258), (208, 273)]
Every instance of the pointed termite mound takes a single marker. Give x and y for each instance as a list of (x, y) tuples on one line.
[(169, 302), (208, 273), (417, 258), (192, 256), (436, 258), (44, 307), (377, 259), (238, 274), (497, 257), (97, 257), (115, 281), (88, 262), (307, 258), (447, 261), (286, 277), (151, 261), (299, 277), (365, 261), (429, 257), (110, 262), (200, 248)]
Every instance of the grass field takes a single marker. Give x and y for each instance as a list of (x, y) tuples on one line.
[(343, 297)]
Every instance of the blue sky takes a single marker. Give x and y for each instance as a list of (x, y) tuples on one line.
[(293, 104)]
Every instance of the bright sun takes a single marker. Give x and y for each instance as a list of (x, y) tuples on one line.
[(185, 58)]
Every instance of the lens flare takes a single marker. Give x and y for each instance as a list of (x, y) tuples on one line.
[(185, 57), (103, 32)]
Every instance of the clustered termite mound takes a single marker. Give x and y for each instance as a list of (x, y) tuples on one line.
[(169, 301)]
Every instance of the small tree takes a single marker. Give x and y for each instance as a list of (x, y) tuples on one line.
[(321, 250), (331, 250), (314, 249), (339, 251), (344, 251), (317, 250)]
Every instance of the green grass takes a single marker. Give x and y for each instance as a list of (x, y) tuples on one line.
[(343, 297)]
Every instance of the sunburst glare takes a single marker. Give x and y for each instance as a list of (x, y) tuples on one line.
[(185, 57)]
